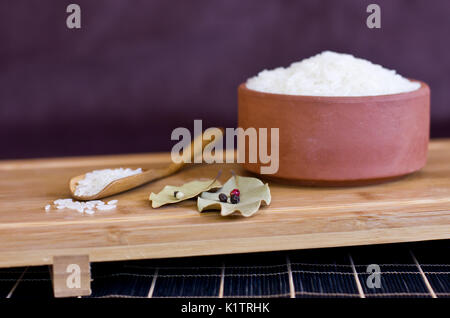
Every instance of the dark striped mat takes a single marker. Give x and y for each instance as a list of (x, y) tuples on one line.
[(406, 270)]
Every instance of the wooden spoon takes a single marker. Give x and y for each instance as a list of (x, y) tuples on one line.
[(130, 182)]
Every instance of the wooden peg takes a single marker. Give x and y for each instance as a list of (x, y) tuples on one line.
[(71, 275)]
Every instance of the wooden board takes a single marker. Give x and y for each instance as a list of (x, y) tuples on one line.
[(411, 209)]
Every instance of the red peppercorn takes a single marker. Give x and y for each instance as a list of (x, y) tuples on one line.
[(235, 192)]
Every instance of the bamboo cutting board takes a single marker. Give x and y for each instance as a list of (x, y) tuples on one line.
[(414, 208)]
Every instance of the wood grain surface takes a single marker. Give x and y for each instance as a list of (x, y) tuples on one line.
[(414, 208)]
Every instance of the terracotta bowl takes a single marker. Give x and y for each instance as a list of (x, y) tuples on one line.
[(341, 140)]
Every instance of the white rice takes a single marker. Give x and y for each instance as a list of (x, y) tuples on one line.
[(331, 74), (95, 181), (106, 207), (87, 207)]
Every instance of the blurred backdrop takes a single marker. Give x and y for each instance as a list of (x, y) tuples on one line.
[(138, 69)]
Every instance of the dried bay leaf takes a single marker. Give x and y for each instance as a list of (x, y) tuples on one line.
[(253, 192), (189, 190)]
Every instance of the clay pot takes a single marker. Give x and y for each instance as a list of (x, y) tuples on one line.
[(342, 140)]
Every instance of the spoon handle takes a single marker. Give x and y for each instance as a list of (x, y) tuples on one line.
[(195, 149)]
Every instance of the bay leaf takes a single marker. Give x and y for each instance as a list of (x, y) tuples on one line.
[(253, 193), (189, 190)]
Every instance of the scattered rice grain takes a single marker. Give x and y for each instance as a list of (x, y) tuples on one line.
[(87, 207), (106, 207)]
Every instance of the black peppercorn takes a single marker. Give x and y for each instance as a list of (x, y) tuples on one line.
[(223, 197), (234, 199)]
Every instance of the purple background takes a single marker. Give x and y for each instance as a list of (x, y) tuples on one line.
[(138, 69)]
